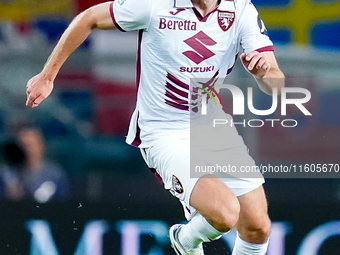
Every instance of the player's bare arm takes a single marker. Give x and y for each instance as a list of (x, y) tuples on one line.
[(40, 86), (264, 68)]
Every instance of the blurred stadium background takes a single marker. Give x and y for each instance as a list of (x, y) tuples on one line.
[(116, 205)]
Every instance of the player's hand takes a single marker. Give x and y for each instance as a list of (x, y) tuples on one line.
[(255, 63), (38, 88)]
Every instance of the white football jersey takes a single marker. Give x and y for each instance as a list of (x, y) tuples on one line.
[(176, 44)]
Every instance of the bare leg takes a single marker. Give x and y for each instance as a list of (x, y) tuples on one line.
[(254, 224), (216, 203), (217, 212), (220, 210)]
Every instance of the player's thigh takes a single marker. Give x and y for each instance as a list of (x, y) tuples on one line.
[(254, 223)]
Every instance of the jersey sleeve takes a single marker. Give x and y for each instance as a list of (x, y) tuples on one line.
[(130, 15), (253, 33)]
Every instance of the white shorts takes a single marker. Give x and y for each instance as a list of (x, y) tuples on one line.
[(170, 158)]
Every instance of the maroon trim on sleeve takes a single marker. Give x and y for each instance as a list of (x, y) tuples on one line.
[(267, 48), (113, 18)]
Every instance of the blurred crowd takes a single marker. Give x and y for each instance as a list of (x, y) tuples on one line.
[(25, 173)]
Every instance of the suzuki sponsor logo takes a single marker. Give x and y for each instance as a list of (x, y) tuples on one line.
[(198, 43), (196, 69)]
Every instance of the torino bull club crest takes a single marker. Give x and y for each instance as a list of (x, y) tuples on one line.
[(225, 19)]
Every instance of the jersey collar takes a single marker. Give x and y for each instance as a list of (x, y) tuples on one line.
[(225, 5)]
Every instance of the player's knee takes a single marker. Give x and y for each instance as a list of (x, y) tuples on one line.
[(226, 218), (262, 233), (258, 233)]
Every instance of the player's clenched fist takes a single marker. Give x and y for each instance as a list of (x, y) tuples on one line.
[(256, 63), (37, 89)]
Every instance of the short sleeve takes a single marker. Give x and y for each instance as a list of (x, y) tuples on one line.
[(131, 15), (253, 32)]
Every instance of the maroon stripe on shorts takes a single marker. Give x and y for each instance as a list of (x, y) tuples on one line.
[(159, 178)]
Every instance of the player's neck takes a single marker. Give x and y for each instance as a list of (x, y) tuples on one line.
[(205, 6)]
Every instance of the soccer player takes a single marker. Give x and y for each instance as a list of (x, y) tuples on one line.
[(180, 40)]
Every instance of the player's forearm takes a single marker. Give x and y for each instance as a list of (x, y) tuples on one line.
[(273, 79), (71, 39), (79, 29)]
